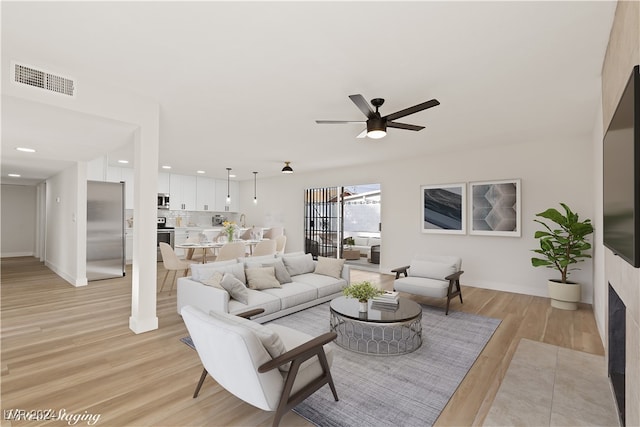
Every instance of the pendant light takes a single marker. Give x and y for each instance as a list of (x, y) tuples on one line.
[(255, 186), (287, 168), (228, 194)]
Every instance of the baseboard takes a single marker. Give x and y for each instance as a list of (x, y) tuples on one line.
[(15, 254)]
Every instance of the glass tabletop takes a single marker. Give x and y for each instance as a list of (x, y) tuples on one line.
[(348, 307)]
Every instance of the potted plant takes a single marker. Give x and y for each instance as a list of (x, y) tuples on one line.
[(363, 292), (349, 242), (561, 249)]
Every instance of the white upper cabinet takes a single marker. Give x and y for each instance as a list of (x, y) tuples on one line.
[(116, 174), (205, 194), (96, 169), (164, 185), (182, 192)]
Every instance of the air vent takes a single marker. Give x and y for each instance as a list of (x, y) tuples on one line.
[(42, 79)]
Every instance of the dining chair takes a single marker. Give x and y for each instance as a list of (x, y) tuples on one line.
[(231, 250), (273, 232), (171, 262), (265, 247), (281, 242)]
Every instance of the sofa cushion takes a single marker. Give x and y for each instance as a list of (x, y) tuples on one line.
[(372, 241), (326, 285), (430, 269), (214, 280), (360, 241), (256, 299), (329, 267), (262, 278), (282, 274), (200, 272), (237, 290), (257, 259), (292, 294), (299, 264), (422, 286), (268, 337)]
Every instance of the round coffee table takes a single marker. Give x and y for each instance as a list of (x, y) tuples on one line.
[(382, 332)]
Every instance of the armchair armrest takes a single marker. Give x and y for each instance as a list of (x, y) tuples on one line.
[(454, 276), (401, 270), (302, 352), (248, 314)]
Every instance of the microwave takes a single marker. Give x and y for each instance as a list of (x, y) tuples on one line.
[(163, 201)]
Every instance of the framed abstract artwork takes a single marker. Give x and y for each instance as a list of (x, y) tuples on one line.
[(443, 208), (495, 208)]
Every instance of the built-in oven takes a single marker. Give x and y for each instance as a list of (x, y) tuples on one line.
[(165, 235), (163, 201)]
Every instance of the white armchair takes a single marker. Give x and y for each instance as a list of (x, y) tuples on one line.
[(274, 367), (431, 276)]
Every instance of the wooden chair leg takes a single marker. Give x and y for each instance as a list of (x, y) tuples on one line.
[(175, 277), (165, 279), (202, 377)]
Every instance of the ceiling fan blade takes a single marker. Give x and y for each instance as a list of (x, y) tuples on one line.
[(338, 122), (403, 126), (363, 105), (362, 134), (412, 110)]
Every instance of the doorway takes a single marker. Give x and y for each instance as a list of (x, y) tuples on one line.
[(344, 222)]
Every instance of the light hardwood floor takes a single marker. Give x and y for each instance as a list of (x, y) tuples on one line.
[(71, 348)]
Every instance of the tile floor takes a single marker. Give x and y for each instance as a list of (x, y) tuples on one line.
[(546, 385)]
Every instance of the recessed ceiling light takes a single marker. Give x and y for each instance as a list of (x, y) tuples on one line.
[(14, 175), (25, 149), (166, 167), (200, 171), (123, 161), (232, 176)]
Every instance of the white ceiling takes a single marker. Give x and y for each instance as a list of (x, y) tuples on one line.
[(241, 84)]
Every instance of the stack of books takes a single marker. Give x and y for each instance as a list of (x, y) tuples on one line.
[(387, 301)]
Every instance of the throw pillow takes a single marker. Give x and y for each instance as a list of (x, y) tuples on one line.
[(281, 271), (214, 280), (200, 272), (235, 268), (299, 264), (269, 339), (237, 290), (432, 270), (329, 267), (262, 278)]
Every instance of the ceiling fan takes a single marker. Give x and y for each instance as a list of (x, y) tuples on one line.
[(376, 124)]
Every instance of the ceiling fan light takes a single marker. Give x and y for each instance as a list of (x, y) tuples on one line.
[(287, 168), (376, 134), (376, 128)]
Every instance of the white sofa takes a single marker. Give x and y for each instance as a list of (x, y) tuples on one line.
[(363, 244), (312, 283)]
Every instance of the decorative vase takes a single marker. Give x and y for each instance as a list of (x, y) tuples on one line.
[(565, 296), (230, 236), (363, 306)]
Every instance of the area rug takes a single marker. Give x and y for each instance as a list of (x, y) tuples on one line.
[(405, 390)]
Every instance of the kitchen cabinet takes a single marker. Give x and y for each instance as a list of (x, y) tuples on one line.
[(116, 174), (205, 194), (96, 169), (182, 192), (164, 185), (221, 196)]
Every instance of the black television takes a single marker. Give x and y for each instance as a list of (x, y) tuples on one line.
[(621, 175)]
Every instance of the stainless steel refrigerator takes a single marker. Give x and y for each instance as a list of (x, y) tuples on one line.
[(105, 230)]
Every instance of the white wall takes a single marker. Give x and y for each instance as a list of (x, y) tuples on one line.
[(551, 171), (18, 221), (62, 235)]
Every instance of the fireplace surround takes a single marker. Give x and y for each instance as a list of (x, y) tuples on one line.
[(617, 349)]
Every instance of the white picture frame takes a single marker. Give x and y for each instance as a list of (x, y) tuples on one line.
[(495, 208), (443, 208)]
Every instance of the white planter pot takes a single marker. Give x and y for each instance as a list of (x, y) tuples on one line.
[(363, 307), (565, 296)]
